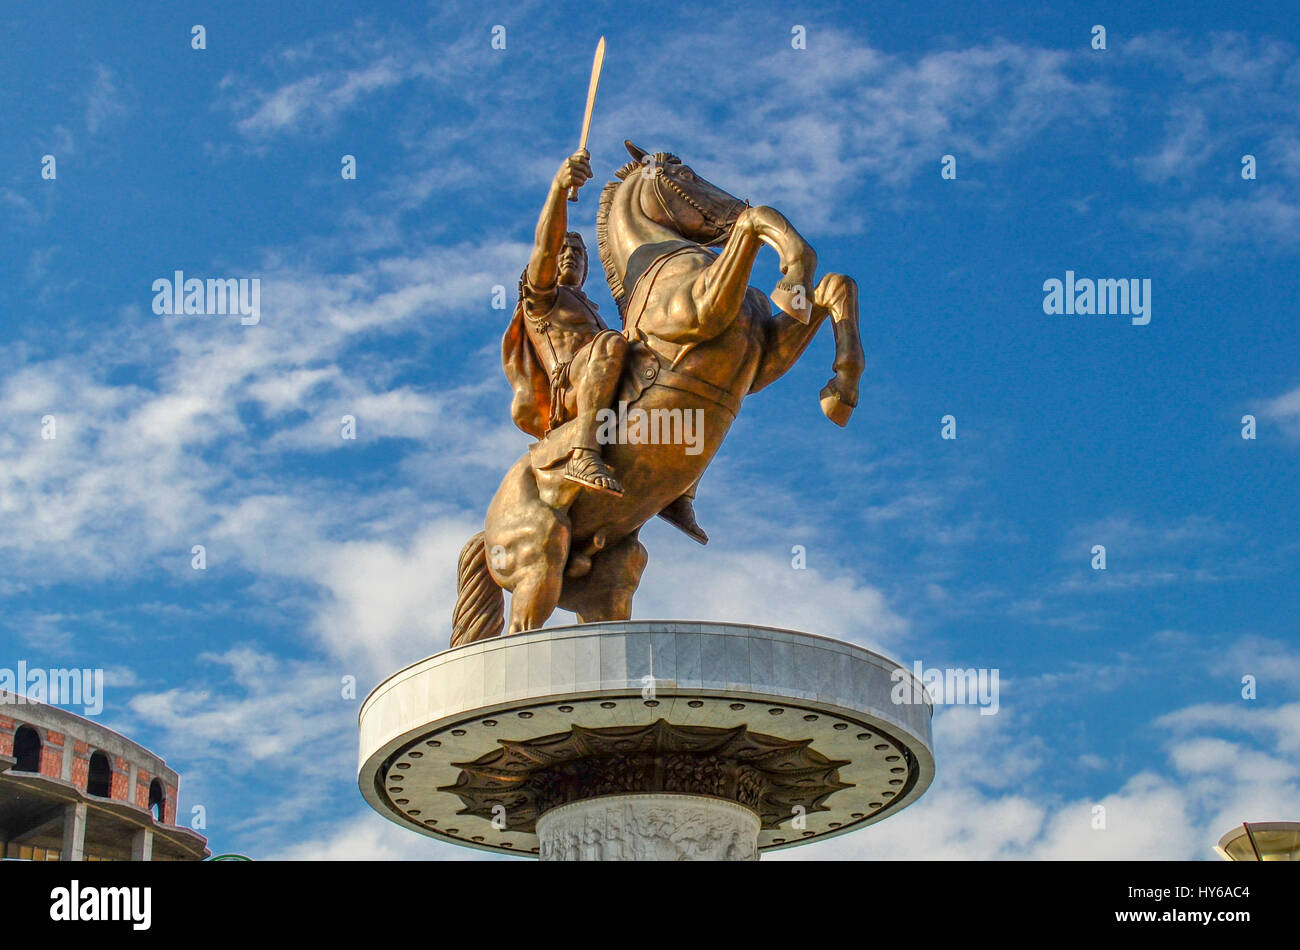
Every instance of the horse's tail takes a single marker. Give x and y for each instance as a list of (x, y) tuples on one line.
[(480, 605)]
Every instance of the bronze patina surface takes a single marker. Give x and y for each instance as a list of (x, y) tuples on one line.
[(677, 252)]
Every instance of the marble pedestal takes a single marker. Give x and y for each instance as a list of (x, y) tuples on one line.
[(645, 740)]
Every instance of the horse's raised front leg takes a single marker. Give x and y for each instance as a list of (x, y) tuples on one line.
[(712, 297), (839, 397), (836, 297), (798, 262)]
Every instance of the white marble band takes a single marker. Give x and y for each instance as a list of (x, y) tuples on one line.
[(649, 828)]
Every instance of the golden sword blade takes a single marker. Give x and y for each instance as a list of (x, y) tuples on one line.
[(596, 64)]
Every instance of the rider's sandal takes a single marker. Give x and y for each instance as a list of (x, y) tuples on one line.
[(582, 468)]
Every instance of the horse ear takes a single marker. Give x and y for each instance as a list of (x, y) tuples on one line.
[(635, 152)]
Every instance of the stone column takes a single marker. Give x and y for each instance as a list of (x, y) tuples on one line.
[(142, 845), (74, 832), (649, 827), (69, 759)]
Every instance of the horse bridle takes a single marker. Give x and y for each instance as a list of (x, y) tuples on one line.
[(723, 228)]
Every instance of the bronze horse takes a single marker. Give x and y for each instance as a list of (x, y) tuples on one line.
[(700, 339)]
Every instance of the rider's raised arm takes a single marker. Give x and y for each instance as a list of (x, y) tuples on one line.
[(543, 266)]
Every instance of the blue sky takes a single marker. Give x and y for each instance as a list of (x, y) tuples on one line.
[(329, 558)]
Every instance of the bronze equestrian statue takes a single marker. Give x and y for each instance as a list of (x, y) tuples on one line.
[(696, 338)]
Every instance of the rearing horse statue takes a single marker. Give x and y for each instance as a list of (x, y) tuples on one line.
[(700, 340)]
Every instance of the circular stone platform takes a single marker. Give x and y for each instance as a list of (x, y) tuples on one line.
[(476, 744)]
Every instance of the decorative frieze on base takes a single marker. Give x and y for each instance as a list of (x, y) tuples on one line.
[(776, 778), (649, 828)]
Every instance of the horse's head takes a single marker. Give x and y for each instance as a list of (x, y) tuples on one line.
[(677, 198)]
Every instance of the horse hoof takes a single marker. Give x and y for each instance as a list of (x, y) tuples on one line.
[(835, 408), (788, 300)]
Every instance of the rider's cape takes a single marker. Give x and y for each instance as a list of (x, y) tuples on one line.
[(531, 405)]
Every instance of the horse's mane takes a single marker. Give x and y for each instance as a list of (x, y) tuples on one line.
[(607, 193), (602, 243)]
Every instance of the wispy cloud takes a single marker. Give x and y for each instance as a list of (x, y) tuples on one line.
[(1285, 409), (817, 139), (1266, 217), (323, 80), (1221, 765), (106, 102), (1235, 95)]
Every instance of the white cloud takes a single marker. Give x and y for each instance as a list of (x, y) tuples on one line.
[(1142, 553), (139, 472), (1282, 723), (1184, 150), (847, 111), (365, 836), (1267, 217), (273, 712), (248, 719), (105, 102), (1229, 94), (342, 70), (1212, 784), (686, 582), (1285, 409)]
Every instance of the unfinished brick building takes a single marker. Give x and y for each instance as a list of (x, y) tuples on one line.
[(73, 790)]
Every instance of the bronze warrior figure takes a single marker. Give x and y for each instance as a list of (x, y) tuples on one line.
[(562, 528)]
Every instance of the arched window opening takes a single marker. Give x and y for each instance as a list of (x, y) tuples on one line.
[(157, 803), (101, 776), (27, 750)]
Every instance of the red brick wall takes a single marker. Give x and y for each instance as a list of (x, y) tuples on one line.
[(169, 810), (52, 754), (118, 787), (7, 729), (80, 764), (81, 771), (142, 789)]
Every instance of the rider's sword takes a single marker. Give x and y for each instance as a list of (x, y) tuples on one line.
[(591, 101)]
